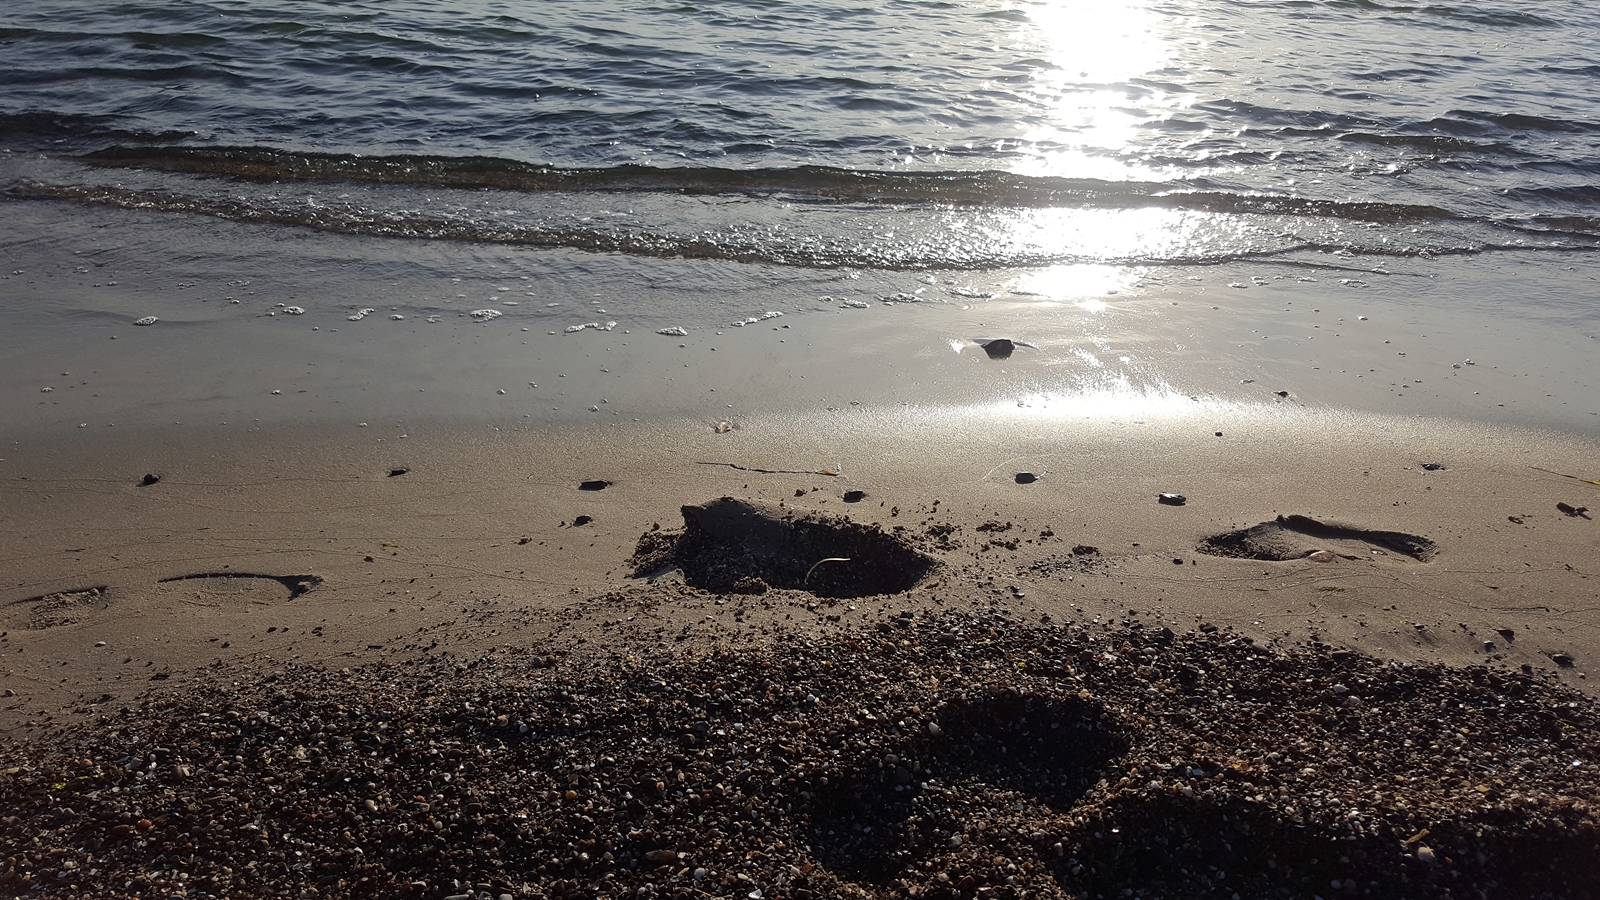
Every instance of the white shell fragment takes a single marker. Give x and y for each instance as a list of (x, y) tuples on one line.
[(147, 320), (854, 304), (484, 315), (674, 331), (572, 329), (361, 314), (293, 311)]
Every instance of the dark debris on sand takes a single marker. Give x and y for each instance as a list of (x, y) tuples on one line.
[(950, 755)]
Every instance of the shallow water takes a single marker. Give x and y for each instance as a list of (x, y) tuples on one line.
[(831, 133)]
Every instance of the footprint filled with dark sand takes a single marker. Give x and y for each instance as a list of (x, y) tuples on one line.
[(741, 546), (1299, 537), (55, 610)]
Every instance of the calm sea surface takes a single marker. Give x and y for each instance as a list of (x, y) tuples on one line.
[(827, 133)]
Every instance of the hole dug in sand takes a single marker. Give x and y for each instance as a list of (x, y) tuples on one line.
[(741, 546), (1286, 538)]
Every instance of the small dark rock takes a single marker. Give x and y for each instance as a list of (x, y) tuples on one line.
[(1561, 659), (1172, 499), (398, 470), (596, 485), (1177, 561), (149, 479), (998, 349), (582, 520), (1432, 467), (1488, 646), (854, 496), (1208, 628), (1085, 550), (1026, 478), (367, 559), (1219, 434), (1507, 633), (1281, 393)]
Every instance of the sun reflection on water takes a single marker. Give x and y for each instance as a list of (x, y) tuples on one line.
[(1098, 78), (1101, 76)]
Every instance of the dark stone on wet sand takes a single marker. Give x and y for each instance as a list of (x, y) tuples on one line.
[(998, 349)]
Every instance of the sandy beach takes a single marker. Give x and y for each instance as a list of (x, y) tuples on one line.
[(296, 557)]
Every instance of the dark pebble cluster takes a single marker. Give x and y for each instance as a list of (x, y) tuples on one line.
[(954, 755)]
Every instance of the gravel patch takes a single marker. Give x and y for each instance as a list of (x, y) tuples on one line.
[(935, 755)]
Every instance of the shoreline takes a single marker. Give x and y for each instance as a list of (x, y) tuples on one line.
[(1468, 338)]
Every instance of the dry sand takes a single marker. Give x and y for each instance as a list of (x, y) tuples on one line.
[(112, 581)]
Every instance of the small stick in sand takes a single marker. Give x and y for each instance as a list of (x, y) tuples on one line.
[(807, 579), (1573, 477)]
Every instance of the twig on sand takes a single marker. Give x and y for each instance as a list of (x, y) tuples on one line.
[(1573, 477), (834, 472), (807, 579)]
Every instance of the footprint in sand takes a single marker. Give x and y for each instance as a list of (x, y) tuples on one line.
[(54, 610), (1302, 537)]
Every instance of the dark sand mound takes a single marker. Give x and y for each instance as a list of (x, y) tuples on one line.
[(741, 546), (1295, 537), (960, 756)]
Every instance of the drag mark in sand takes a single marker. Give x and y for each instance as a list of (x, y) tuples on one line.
[(297, 585)]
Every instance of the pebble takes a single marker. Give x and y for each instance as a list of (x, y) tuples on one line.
[(147, 320)]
